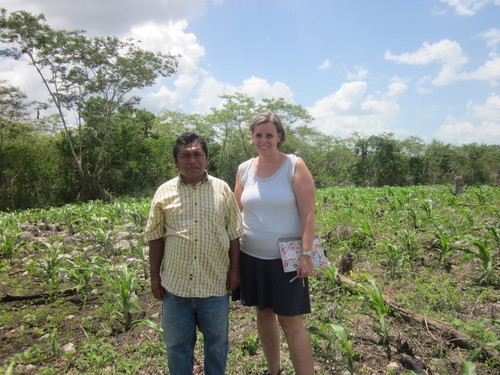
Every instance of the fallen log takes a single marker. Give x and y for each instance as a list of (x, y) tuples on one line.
[(62, 293), (445, 329)]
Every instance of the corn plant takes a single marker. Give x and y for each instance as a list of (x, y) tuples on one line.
[(157, 328), (9, 370), (487, 261), (81, 274), (51, 264), (341, 339), (120, 209), (469, 216), (410, 244), (446, 245), (413, 217), (138, 214), (396, 259), (482, 194), (427, 206), (141, 252), (366, 231), (496, 236), (332, 273), (10, 245), (122, 290), (468, 368), (104, 239), (378, 310)]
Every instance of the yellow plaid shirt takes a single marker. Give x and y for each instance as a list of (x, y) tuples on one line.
[(197, 224)]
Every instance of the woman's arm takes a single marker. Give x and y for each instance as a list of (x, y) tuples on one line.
[(303, 187), (238, 190)]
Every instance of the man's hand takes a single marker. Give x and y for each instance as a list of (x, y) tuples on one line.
[(156, 250), (233, 279), (156, 288)]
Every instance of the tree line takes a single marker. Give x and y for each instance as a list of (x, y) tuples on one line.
[(98, 142)]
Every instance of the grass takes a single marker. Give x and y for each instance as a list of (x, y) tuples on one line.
[(425, 248)]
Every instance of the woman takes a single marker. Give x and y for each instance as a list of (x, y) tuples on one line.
[(275, 192)]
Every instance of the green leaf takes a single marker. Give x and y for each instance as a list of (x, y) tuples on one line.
[(468, 368)]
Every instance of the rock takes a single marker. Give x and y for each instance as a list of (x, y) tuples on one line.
[(437, 365), (70, 240), (27, 236), (69, 347), (30, 228), (121, 245), (42, 226), (54, 227), (393, 366), (124, 236)]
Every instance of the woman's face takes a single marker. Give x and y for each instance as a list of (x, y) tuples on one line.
[(265, 137)]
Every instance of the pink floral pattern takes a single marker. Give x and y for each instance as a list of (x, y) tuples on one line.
[(290, 249)]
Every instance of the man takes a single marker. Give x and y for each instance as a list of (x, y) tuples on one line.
[(193, 231)]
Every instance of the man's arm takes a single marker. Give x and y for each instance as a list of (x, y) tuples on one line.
[(233, 275), (156, 250)]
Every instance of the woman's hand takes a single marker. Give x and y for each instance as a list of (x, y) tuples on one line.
[(305, 267)]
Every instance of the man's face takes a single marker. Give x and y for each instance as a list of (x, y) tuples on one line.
[(191, 163)]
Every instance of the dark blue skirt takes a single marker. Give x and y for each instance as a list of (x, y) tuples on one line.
[(266, 285)]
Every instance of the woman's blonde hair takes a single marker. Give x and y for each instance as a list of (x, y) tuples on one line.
[(265, 117)]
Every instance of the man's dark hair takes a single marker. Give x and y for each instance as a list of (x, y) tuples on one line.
[(186, 139)]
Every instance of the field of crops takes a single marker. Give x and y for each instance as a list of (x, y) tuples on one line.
[(412, 287)]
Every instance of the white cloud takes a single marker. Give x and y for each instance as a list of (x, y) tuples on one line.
[(482, 127), (209, 92), (109, 17), (490, 71), (171, 38), (469, 7), (208, 95), (467, 132), (259, 89), (490, 111), (325, 65), (360, 74), (395, 89), (351, 109), (22, 75), (446, 52), (492, 37)]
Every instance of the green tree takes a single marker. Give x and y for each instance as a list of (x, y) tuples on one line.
[(380, 161), (74, 69), (441, 163), (232, 135), (14, 108), (29, 174), (413, 149)]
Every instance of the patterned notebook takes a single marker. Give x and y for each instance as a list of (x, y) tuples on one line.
[(290, 251)]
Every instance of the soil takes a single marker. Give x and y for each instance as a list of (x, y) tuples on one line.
[(58, 332)]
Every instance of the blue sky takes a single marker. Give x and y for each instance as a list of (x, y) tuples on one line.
[(429, 68)]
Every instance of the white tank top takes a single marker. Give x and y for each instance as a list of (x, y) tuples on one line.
[(270, 209)]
